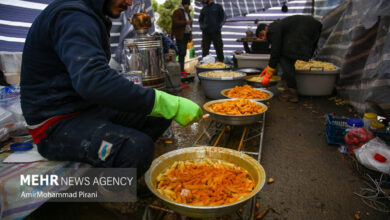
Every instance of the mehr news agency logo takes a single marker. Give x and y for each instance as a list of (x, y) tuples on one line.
[(39, 181)]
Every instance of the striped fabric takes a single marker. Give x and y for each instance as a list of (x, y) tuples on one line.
[(236, 26), (362, 53), (16, 17), (322, 7)]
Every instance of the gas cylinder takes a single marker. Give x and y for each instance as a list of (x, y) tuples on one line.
[(173, 67)]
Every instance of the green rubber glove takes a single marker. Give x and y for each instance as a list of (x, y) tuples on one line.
[(182, 110)]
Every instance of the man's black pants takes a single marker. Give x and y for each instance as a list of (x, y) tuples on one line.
[(216, 38), (182, 47), (288, 67)]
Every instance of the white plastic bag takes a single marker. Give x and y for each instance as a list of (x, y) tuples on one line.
[(208, 59), (12, 122), (368, 155)]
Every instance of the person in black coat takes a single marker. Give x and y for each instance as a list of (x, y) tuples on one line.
[(259, 47), (292, 38), (211, 19)]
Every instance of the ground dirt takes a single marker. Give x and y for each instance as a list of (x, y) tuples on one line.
[(313, 180)]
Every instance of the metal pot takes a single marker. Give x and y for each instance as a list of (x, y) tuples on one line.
[(274, 80), (246, 162), (234, 119), (150, 51), (141, 20), (225, 92)]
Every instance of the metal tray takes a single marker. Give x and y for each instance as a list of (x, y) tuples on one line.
[(246, 162), (234, 119), (225, 92), (249, 71), (275, 80)]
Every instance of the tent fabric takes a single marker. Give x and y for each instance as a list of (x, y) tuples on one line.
[(234, 8), (362, 52), (236, 26), (17, 16), (322, 7)]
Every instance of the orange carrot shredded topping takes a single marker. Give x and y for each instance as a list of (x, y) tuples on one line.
[(204, 182), (236, 107), (247, 92)]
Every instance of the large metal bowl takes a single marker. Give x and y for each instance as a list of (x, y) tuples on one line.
[(202, 69), (249, 71), (226, 91), (234, 119), (274, 80), (246, 162)]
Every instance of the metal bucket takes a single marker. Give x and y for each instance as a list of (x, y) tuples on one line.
[(150, 51)]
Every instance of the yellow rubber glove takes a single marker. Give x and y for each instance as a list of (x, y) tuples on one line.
[(267, 74)]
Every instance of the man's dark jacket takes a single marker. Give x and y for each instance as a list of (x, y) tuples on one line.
[(294, 37), (211, 19), (65, 65), (179, 23)]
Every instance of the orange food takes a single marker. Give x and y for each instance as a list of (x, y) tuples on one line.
[(236, 107), (204, 183), (247, 92)]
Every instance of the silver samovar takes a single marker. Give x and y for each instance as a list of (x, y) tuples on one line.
[(144, 53)]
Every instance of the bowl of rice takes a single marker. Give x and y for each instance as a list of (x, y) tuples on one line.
[(206, 67), (213, 82)]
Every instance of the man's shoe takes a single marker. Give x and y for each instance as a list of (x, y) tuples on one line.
[(284, 96), (293, 95)]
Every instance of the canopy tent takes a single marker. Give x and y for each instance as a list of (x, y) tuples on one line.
[(243, 14), (356, 37), (17, 16)]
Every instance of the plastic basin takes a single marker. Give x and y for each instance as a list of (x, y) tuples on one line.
[(212, 86), (252, 60), (316, 82)]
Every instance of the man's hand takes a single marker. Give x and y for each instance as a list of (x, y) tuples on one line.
[(189, 22), (267, 74)]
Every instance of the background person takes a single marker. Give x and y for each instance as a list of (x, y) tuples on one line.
[(292, 38), (181, 29), (211, 19), (259, 47), (79, 109)]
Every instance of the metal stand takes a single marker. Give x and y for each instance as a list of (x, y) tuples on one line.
[(214, 133)]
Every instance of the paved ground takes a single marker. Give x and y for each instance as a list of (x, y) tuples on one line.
[(312, 179)]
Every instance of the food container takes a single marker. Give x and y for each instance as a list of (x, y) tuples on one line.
[(225, 93), (212, 86), (252, 60), (369, 117), (201, 70), (234, 119), (246, 162), (316, 81), (257, 83), (355, 123)]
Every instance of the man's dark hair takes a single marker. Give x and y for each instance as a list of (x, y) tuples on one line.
[(260, 27), (188, 2)]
